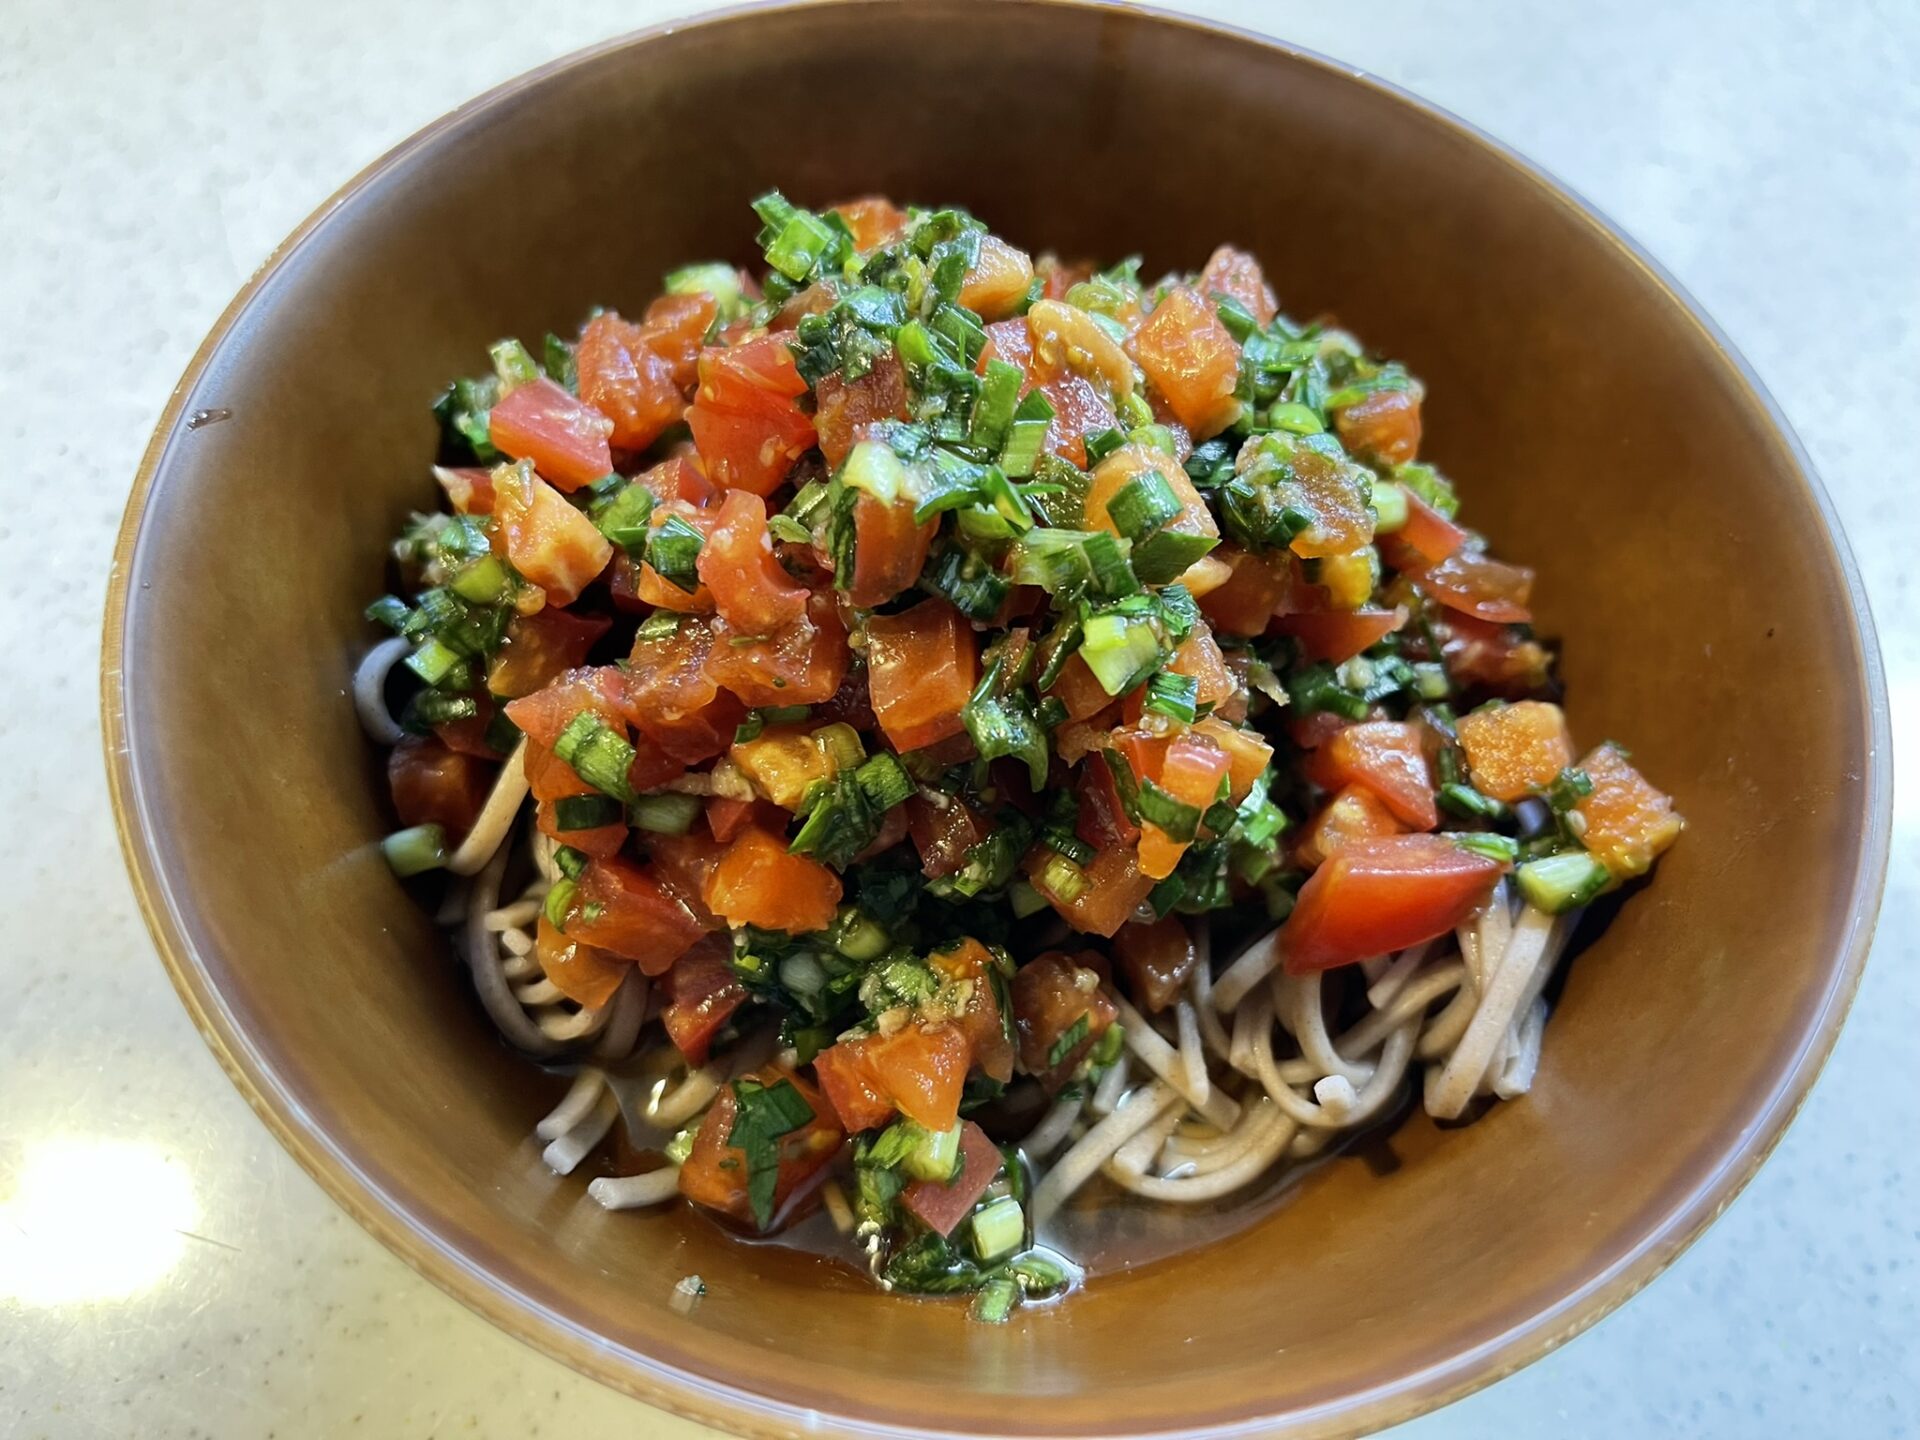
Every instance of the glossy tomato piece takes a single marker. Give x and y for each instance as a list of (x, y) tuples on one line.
[(1192, 360), (1426, 539), (701, 995), (620, 907), (715, 1173), (469, 490), (1199, 658), (1625, 822), (942, 833), (845, 410), (540, 647), (1052, 994), (851, 1088), (627, 381), (1388, 758), (1009, 340), (542, 715), (1103, 822), (1247, 753), (758, 881), (874, 220), (1238, 276), (1337, 635), (998, 281), (1079, 410), (666, 677), (1377, 896), (1190, 772), (1498, 659), (546, 539), (679, 478), (1156, 960), (1353, 814), (1245, 602), (942, 1205), (921, 668), (1079, 689), (583, 974), (1485, 588), (1382, 428), (566, 439), (987, 1028), (889, 550), (745, 418), (799, 664), (920, 1068), (1112, 889), (433, 785), (1123, 466), (683, 864), (676, 327), (750, 587), (1514, 750)]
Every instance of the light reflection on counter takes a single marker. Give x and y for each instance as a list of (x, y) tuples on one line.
[(90, 1219)]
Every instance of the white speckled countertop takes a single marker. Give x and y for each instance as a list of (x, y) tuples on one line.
[(166, 1271)]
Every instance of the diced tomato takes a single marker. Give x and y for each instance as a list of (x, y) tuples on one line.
[(655, 590), (1424, 541), (715, 1173), (851, 1088), (1337, 635), (941, 1205), (683, 864), (799, 664), (1310, 732), (542, 715), (998, 280), (626, 379), (1247, 754), (678, 478), (1246, 600), (1119, 469), (874, 220), (1514, 750), (676, 326), (599, 841), (1156, 960), (1113, 890), (1498, 659), (565, 438), (759, 882), (1199, 657), (1078, 411), (1051, 995), (701, 995), (1079, 690), (469, 490), (578, 971), (889, 550), (737, 563), (1386, 757), (1191, 773), (1238, 276), (1382, 428), (727, 817), (981, 1020), (1482, 587), (666, 677), (620, 907), (1625, 823), (1329, 489), (1353, 814), (539, 647), (1103, 822), (921, 669), (1058, 277), (1376, 896), (1008, 340), (546, 539), (920, 1067), (942, 835), (784, 762), (845, 410), (433, 785), (745, 419), (1192, 360), (1076, 739)]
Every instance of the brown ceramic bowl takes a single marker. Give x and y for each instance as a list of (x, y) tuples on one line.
[(1597, 424)]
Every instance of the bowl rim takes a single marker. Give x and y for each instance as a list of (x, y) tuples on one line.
[(386, 1218)]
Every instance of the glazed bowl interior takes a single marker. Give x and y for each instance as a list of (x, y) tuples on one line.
[(1596, 429)]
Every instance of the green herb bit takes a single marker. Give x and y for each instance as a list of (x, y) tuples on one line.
[(763, 1114)]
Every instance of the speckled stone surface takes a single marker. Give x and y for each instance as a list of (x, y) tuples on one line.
[(166, 1271)]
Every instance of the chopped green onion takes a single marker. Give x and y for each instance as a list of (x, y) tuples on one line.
[(486, 581), (1069, 1041), (1503, 848), (874, 468), (512, 365), (1430, 680), (390, 611), (1568, 789), (571, 862), (995, 1301), (884, 781), (999, 1229), (1062, 879), (993, 411), (1027, 434), (1143, 505), (1295, 418), (1119, 651), (1459, 798), (559, 900), (598, 755), (1024, 900), (1173, 694), (1103, 443), (667, 813), (502, 734), (1066, 843), (437, 707), (681, 1146), (623, 518), (935, 1155), (1318, 688), (1390, 507), (1169, 554), (857, 935), (967, 582), (586, 812), (434, 661), (415, 849), (1559, 883), (714, 278), (673, 550)]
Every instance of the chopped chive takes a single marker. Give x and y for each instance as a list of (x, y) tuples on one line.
[(1027, 434), (586, 812), (995, 1301), (1143, 505), (485, 581), (999, 1228), (1062, 879), (1103, 443), (1503, 848), (597, 755), (513, 366), (434, 661), (559, 901), (1169, 554), (623, 518), (1559, 883), (673, 550), (571, 862), (668, 813), (1173, 694)]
